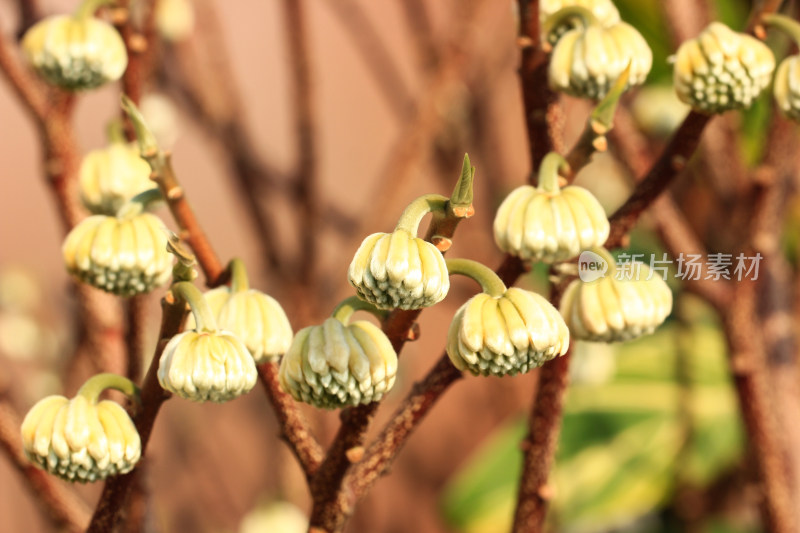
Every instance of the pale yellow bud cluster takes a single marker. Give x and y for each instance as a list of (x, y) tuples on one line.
[(256, 318), (506, 335), (610, 309), (124, 255), (550, 226), (587, 60), (207, 366), (722, 69), (174, 19), (334, 365), (110, 177), (786, 87), (399, 270), (75, 52), (78, 440)]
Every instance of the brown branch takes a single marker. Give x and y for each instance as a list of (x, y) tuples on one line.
[(305, 174), (113, 500), (543, 114), (62, 506), (30, 90), (293, 426), (418, 21), (29, 13), (136, 313)]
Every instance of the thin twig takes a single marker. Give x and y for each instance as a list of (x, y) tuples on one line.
[(305, 174), (113, 501), (293, 426)]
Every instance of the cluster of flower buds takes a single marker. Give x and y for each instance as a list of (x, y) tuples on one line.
[(617, 306), (722, 70), (588, 58), (76, 51), (174, 19), (547, 223), (786, 85), (399, 270), (506, 334), (336, 364), (111, 177), (124, 254), (82, 439), (256, 318), (205, 363)]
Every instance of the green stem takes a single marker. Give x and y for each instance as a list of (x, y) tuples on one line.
[(147, 141), (115, 132), (607, 257), (96, 384), (347, 307), (88, 8), (490, 282), (417, 209), (202, 313), (239, 281), (549, 170), (140, 203), (787, 25), (568, 14)]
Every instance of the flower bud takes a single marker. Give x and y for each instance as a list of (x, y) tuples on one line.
[(333, 365), (112, 176), (398, 270), (506, 335), (207, 365), (604, 10), (124, 255), (722, 69), (78, 440), (610, 309), (75, 52), (256, 318), (174, 19), (549, 226), (786, 87), (587, 60)]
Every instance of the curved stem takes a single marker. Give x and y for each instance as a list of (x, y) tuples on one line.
[(490, 282), (140, 203), (786, 24), (347, 307), (417, 209), (548, 172), (96, 384), (115, 132), (88, 7), (202, 313), (239, 281), (562, 16)]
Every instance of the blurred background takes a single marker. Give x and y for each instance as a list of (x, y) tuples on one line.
[(399, 91)]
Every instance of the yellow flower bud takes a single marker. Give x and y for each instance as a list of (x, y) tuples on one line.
[(75, 52), (506, 335), (722, 69), (207, 365), (587, 60), (786, 87), (549, 226), (174, 19), (604, 11), (79, 440), (110, 177), (256, 318), (334, 365), (616, 308), (398, 270), (124, 255)]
